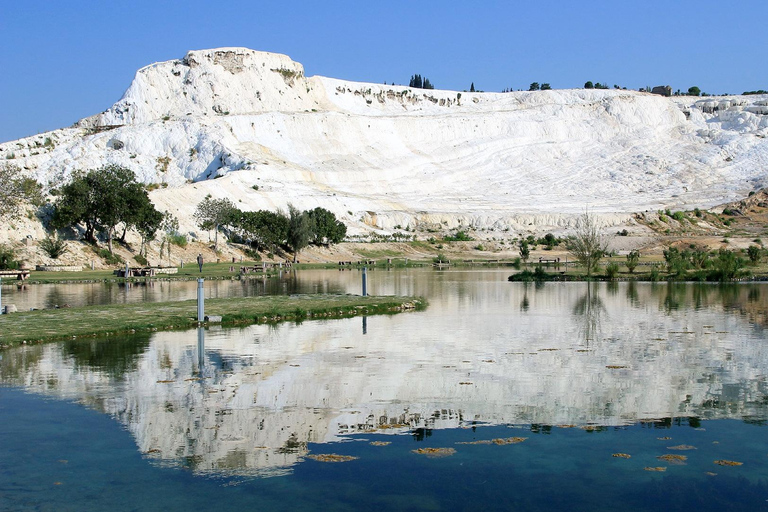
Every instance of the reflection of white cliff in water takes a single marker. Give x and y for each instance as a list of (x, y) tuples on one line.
[(262, 393)]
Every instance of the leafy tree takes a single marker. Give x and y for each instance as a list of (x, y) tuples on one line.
[(677, 262), (525, 251), (147, 220), (264, 228), (427, 84), (546, 87), (101, 199), (327, 229), (8, 258), (587, 245), (299, 230), (633, 258), (169, 225), (589, 85), (212, 214), (694, 91), (755, 253), (534, 86), (15, 190), (726, 265)]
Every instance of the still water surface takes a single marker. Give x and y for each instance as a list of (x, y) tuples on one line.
[(562, 376)]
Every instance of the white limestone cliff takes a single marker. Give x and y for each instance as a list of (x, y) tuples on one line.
[(380, 155)]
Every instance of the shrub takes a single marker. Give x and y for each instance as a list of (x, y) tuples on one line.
[(479, 247), (108, 257), (141, 260), (440, 258), (755, 253), (54, 247), (459, 236), (697, 213), (612, 270), (633, 259), (8, 258), (678, 216), (654, 274), (178, 239)]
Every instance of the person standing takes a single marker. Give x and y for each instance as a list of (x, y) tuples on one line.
[(200, 261)]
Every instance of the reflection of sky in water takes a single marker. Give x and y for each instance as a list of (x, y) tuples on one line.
[(486, 351)]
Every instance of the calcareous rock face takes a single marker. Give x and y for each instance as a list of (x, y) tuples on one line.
[(380, 156)]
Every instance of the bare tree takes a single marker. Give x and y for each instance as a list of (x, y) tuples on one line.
[(587, 245)]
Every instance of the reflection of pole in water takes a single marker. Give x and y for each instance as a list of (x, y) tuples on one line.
[(365, 325), (200, 350), (365, 281)]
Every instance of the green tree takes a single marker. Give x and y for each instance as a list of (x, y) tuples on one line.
[(169, 225), (589, 85), (546, 87), (633, 258), (263, 228), (534, 86), (694, 91), (755, 253), (525, 251), (299, 230), (327, 229), (101, 199), (212, 214), (472, 87), (587, 245), (15, 190)]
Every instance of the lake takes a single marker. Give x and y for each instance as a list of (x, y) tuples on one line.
[(500, 396)]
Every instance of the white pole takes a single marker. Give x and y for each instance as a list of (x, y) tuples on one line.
[(1, 295), (200, 300)]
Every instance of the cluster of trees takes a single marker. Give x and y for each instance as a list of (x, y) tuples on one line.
[(268, 230), (596, 85), (535, 86), (106, 200), (420, 83)]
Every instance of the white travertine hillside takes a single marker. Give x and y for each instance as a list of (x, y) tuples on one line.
[(380, 155)]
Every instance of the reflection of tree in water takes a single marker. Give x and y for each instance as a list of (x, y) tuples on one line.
[(54, 298), (632, 295), (115, 357), (589, 308), (525, 304), (675, 296)]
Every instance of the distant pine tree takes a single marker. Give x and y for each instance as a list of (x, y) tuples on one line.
[(546, 87), (418, 82), (472, 87)]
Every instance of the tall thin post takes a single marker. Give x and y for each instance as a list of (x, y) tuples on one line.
[(365, 282), (200, 300), (200, 349), (1, 295)]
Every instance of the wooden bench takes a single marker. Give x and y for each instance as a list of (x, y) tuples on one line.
[(18, 274)]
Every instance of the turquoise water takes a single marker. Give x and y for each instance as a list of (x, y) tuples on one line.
[(568, 373)]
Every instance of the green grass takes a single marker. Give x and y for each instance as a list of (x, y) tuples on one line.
[(114, 319)]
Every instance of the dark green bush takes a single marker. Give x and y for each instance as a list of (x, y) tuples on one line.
[(54, 247), (8, 258)]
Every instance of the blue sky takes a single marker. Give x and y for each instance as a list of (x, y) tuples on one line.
[(65, 60)]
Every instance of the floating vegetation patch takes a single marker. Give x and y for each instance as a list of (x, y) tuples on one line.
[(548, 349), (728, 463), (681, 447), (658, 468), (166, 381), (499, 441), (709, 473), (465, 383), (616, 366), (673, 459), (331, 457), (592, 428), (664, 438), (381, 443), (566, 426), (622, 455), (435, 452)]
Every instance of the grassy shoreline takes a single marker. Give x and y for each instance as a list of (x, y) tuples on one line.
[(114, 319)]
